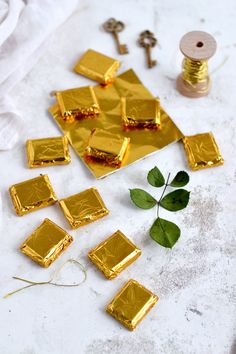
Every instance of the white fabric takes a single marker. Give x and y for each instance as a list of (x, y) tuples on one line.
[(24, 29)]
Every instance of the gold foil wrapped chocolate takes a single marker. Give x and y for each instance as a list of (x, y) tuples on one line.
[(114, 254), (78, 103), (46, 243), (48, 152), (142, 141), (97, 66), (83, 208), (107, 147), (32, 195), (202, 151), (131, 304), (141, 113)]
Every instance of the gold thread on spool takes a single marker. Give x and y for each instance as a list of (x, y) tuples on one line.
[(197, 47), (195, 71)]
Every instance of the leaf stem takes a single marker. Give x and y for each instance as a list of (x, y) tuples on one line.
[(163, 192)]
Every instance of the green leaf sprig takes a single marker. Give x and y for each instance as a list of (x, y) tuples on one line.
[(164, 232)]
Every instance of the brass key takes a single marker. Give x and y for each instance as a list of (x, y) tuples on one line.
[(114, 27), (147, 40)]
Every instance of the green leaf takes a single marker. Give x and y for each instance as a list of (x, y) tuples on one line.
[(176, 200), (155, 178), (142, 199), (165, 233), (180, 180)]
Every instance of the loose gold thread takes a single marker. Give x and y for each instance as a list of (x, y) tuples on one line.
[(52, 280), (195, 71)]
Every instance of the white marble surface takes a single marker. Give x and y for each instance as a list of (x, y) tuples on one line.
[(196, 280)]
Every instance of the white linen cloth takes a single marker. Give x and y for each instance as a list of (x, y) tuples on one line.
[(25, 26)]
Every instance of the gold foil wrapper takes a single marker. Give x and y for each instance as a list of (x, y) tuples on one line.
[(202, 151), (107, 147), (83, 208), (78, 103), (46, 243), (48, 152), (140, 113), (142, 142), (97, 66), (114, 254), (32, 195), (131, 304)]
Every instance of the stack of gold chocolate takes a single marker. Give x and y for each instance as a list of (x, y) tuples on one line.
[(128, 121), (133, 301), (48, 241), (110, 125)]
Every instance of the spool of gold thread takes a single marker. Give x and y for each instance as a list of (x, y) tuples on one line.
[(197, 47)]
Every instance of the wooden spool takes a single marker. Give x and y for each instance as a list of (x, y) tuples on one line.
[(197, 46)]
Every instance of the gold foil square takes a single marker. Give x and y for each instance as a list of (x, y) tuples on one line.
[(83, 208), (32, 195), (78, 103), (48, 152), (202, 151), (142, 142), (46, 243), (140, 113), (107, 147), (97, 66), (131, 304), (114, 254)]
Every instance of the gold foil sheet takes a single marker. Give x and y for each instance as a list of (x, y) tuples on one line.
[(114, 254), (97, 66), (46, 243), (142, 142), (202, 151), (107, 147), (78, 103), (83, 208), (140, 113), (48, 152), (131, 304), (32, 195)]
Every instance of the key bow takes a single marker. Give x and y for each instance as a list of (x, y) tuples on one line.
[(112, 25), (147, 39)]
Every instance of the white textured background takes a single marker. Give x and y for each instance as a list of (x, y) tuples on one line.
[(196, 280)]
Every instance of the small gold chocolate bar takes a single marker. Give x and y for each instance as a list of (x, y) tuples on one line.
[(46, 243), (78, 103), (83, 208), (114, 254), (97, 66), (32, 195), (48, 152), (202, 151), (131, 304), (107, 147), (140, 113)]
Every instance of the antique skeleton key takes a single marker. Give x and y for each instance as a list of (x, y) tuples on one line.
[(114, 27), (147, 40)]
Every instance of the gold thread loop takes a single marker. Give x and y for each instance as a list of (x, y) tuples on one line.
[(52, 281)]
